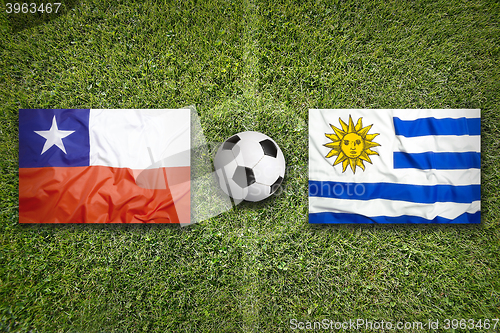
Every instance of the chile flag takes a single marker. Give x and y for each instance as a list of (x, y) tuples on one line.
[(86, 166)]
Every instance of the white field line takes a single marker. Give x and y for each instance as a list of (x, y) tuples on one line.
[(249, 301)]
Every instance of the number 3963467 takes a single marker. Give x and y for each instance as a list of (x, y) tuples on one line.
[(32, 8)]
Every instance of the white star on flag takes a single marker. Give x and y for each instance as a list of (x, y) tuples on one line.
[(53, 136)]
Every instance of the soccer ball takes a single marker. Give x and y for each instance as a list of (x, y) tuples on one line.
[(250, 166)]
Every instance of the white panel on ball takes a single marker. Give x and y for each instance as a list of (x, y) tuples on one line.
[(281, 163), (251, 135), (267, 170), (258, 192), (250, 153)]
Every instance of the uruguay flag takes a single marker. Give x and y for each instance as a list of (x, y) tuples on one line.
[(81, 165), (394, 166)]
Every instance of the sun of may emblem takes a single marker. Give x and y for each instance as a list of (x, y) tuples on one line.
[(351, 144)]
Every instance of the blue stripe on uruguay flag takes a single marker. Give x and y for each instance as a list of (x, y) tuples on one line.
[(440, 161), (329, 217), (433, 126), (394, 166), (399, 192)]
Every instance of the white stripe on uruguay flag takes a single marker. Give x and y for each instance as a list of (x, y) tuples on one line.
[(394, 166)]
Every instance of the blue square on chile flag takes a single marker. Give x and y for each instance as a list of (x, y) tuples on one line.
[(53, 138)]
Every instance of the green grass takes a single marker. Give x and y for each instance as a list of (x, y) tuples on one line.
[(249, 65)]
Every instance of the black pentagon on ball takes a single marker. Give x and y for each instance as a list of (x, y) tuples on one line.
[(276, 184), (243, 176), (269, 148), (229, 144)]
